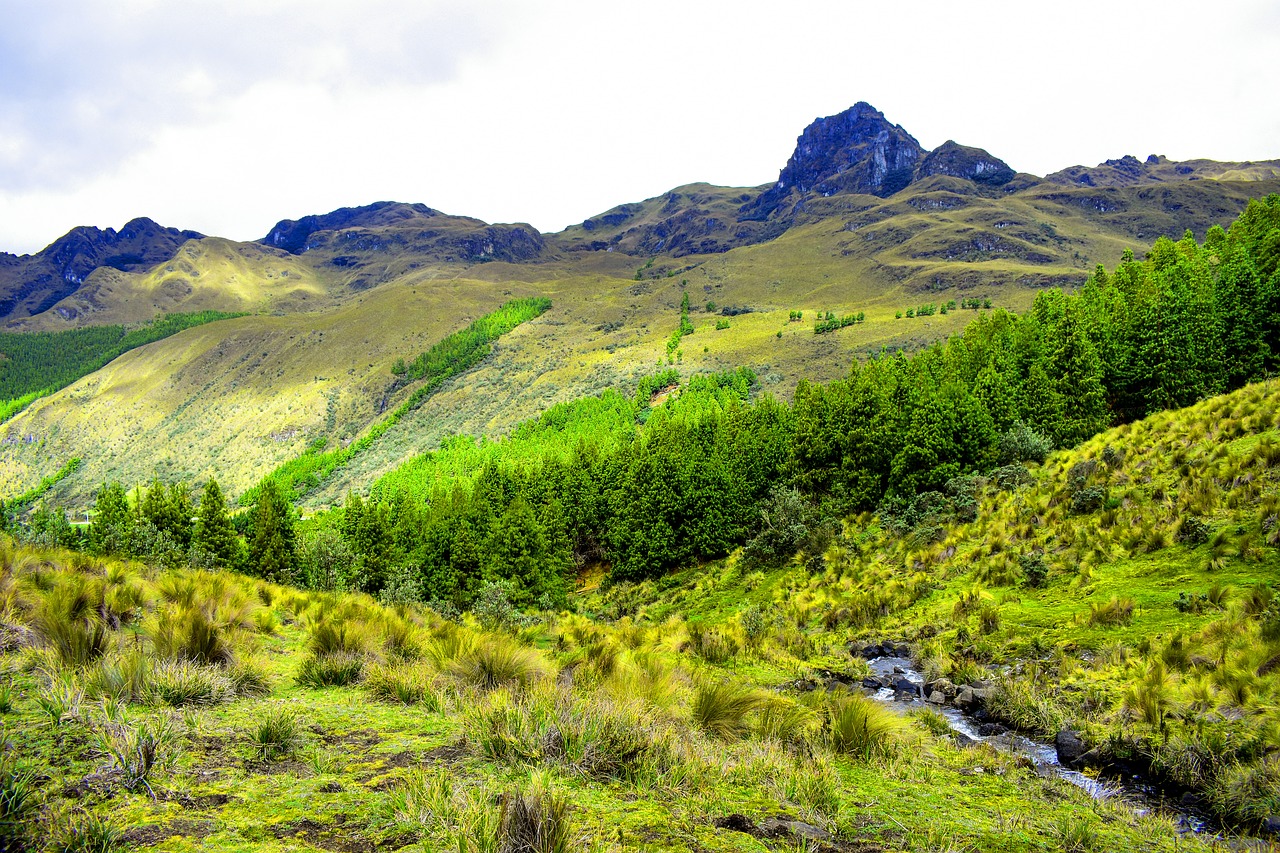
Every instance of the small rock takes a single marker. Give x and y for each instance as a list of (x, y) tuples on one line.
[(872, 683), (991, 729), (897, 670), (775, 828), (902, 650), (1271, 825), (937, 697)]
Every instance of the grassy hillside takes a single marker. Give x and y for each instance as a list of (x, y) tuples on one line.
[(239, 407)]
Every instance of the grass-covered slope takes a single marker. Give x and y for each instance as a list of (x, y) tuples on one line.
[(190, 711)]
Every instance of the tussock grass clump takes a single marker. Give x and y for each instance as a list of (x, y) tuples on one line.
[(333, 670), (720, 708), (178, 683), (537, 822), (715, 645), (19, 801), (406, 683), (192, 634), (787, 722), (122, 677), (81, 831), (139, 751), (1075, 833), (334, 637), (1116, 611), (68, 619), (497, 661), (277, 735), (859, 727), (1027, 707), (1248, 793)]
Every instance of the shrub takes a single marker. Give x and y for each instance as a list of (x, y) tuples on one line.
[(276, 735), (1192, 531), (1023, 444), (720, 708), (333, 670), (1034, 570), (1088, 499)]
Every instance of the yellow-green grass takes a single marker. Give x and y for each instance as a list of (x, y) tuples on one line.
[(350, 777)]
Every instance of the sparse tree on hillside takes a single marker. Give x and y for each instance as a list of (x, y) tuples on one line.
[(113, 521), (214, 536), (272, 552)]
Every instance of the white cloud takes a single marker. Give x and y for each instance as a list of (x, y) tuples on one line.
[(225, 117)]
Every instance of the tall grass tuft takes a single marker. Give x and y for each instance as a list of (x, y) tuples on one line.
[(276, 735), (181, 683), (720, 708), (537, 822), (18, 803), (82, 831), (497, 662), (139, 751), (192, 634), (859, 727), (335, 670), (406, 683), (69, 619)]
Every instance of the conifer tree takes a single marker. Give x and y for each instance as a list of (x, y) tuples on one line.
[(113, 521), (214, 534), (272, 552)]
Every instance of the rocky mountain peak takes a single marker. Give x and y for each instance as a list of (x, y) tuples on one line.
[(856, 151), (291, 234), (962, 161)]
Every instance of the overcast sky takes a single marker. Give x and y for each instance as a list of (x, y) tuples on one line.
[(224, 117)]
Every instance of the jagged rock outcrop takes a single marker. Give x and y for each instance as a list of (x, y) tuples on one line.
[(962, 161), (292, 234), (856, 151), (1128, 171), (352, 234), (30, 284)]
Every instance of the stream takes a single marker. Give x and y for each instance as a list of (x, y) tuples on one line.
[(1142, 797)]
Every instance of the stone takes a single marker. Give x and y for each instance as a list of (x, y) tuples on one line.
[(776, 828), (1270, 825), (1071, 748), (937, 697), (872, 683)]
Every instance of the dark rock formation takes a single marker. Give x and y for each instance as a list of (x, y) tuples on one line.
[(1070, 747), (857, 151), (961, 161), (32, 283), (291, 234)]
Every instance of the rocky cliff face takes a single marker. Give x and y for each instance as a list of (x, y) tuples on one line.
[(1128, 171), (857, 151), (961, 161), (31, 283), (351, 235)]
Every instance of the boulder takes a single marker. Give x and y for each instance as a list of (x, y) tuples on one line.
[(872, 683), (1270, 825), (797, 830), (1071, 748), (937, 697)]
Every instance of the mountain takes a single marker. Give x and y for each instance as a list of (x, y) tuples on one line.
[(30, 284), (862, 219), (1128, 171)]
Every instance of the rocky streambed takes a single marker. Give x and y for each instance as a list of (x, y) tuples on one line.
[(895, 681)]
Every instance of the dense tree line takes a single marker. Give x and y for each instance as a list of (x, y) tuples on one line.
[(695, 478)]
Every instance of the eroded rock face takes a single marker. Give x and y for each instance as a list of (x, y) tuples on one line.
[(962, 161), (856, 151), (292, 234), (30, 284)]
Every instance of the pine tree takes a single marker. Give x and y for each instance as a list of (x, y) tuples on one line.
[(272, 552), (213, 534), (113, 521)]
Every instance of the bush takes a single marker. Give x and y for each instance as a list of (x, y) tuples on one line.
[(1088, 499), (1034, 570), (1193, 531), (1023, 444), (333, 670), (720, 709)]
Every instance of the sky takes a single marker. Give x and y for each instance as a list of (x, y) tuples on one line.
[(225, 117)]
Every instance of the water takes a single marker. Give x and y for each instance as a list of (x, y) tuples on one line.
[(1141, 798)]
